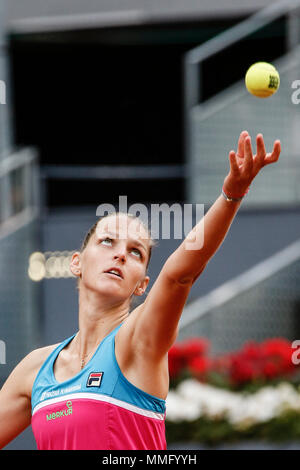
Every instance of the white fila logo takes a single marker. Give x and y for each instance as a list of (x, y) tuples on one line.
[(94, 379)]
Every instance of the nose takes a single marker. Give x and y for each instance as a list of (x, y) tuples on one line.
[(120, 254), (121, 257)]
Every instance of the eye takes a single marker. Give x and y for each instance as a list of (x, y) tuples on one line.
[(106, 239), (137, 251)]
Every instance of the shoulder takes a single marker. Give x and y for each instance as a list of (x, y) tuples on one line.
[(38, 356), (35, 359), (27, 369)]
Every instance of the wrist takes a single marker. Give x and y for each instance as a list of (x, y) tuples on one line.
[(235, 196)]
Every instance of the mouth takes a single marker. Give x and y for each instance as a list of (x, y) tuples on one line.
[(116, 272)]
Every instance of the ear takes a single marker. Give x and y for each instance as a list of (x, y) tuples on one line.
[(142, 286), (75, 264)]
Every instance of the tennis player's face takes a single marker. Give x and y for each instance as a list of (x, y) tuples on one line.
[(122, 243)]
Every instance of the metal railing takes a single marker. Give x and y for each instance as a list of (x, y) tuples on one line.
[(20, 193)]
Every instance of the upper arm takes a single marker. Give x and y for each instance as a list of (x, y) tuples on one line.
[(156, 324), (15, 395), (15, 404)]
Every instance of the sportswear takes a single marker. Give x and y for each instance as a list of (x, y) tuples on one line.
[(96, 409)]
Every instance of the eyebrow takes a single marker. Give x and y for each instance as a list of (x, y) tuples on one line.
[(134, 240)]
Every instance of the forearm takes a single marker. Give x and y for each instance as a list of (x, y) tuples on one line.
[(202, 242), (207, 236)]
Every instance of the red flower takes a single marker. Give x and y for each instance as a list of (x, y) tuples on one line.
[(175, 360), (194, 347), (199, 366), (270, 369), (252, 351), (267, 360), (280, 351), (181, 354), (243, 370)]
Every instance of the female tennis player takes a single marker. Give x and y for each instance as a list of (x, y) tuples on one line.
[(105, 387)]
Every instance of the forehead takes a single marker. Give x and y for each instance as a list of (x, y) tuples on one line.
[(122, 227)]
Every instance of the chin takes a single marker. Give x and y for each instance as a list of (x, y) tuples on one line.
[(106, 289)]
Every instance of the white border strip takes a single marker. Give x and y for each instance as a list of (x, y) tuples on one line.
[(102, 398)]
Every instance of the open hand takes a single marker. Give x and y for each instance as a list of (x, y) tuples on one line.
[(244, 166)]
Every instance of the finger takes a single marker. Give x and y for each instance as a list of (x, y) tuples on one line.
[(233, 163), (273, 157), (240, 149), (248, 165), (261, 151)]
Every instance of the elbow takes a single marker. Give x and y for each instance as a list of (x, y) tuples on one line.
[(198, 273), (189, 280), (182, 275)]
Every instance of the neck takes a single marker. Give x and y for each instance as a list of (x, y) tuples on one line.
[(96, 320)]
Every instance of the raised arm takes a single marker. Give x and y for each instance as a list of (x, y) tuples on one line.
[(157, 324)]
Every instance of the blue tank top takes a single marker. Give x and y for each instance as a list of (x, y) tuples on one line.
[(98, 408)]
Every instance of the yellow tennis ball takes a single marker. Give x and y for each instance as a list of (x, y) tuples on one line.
[(262, 79)]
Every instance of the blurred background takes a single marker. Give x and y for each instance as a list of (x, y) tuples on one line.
[(145, 99)]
